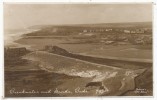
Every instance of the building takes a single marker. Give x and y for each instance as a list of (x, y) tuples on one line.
[(126, 31)]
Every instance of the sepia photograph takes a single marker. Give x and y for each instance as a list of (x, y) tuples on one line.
[(78, 50)]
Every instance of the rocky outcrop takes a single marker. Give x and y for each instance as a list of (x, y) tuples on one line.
[(56, 50), (12, 56), (19, 51)]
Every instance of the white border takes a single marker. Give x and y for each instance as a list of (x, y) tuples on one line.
[(78, 1), (81, 1), (1, 52)]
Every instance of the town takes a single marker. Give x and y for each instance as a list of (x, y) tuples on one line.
[(136, 35)]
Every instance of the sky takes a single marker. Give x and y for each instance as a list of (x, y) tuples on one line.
[(18, 16)]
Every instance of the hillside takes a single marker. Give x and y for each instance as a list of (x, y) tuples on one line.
[(64, 30), (109, 25)]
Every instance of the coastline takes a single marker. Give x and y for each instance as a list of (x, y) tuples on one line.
[(31, 77)]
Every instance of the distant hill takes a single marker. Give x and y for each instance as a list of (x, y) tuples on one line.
[(46, 30), (103, 25)]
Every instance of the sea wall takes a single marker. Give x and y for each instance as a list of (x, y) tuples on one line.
[(105, 61)]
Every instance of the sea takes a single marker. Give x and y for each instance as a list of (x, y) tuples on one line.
[(11, 35)]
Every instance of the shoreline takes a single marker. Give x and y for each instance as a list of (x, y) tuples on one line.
[(31, 78)]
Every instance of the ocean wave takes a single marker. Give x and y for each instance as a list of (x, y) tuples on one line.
[(97, 75), (70, 66), (11, 36)]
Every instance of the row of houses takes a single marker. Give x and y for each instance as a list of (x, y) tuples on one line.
[(96, 30), (137, 31), (141, 30)]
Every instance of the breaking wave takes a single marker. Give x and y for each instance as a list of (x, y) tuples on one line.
[(10, 36), (97, 75)]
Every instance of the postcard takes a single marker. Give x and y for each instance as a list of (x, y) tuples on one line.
[(78, 50)]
